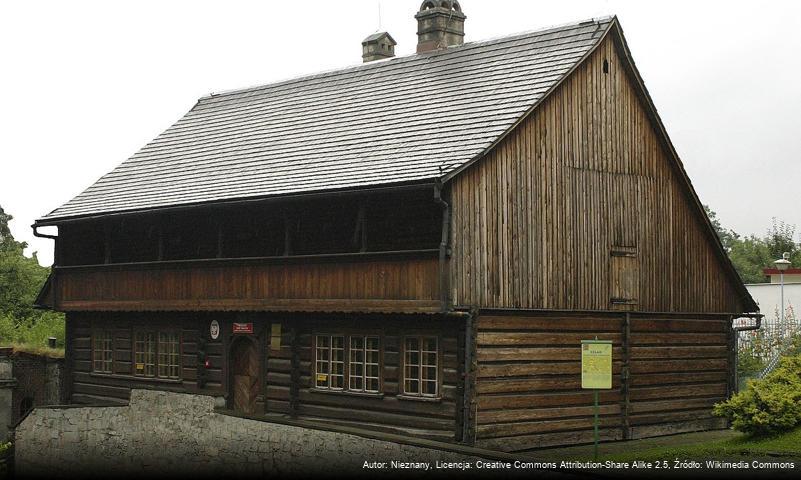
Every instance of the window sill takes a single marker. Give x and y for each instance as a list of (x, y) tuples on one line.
[(134, 377), (347, 392), (416, 398)]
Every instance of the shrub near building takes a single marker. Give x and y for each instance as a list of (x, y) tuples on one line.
[(770, 405)]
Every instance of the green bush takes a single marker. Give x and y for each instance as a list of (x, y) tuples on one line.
[(32, 331), (770, 405), (748, 364)]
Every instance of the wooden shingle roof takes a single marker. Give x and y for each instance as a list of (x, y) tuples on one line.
[(403, 120)]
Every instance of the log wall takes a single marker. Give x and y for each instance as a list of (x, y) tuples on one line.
[(547, 219), (287, 371), (87, 387), (389, 411), (668, 371)]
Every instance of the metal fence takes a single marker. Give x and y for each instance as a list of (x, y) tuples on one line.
[(773, 340)]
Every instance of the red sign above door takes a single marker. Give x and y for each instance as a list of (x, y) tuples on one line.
[(243, 327)]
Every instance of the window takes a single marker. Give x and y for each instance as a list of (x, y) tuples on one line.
[(169, 364), (157, 354), (102, 351), (145, 354), (361, 368), (330, 361), (420, 366)]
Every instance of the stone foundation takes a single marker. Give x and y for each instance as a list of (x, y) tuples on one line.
[(163, 433)]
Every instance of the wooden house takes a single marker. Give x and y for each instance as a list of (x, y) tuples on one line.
[(416, 244)]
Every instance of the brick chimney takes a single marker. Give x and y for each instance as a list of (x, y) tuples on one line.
[(378, 46), (440, 24)]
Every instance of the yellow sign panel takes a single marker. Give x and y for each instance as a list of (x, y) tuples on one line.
[(596, 364), (322, 377)]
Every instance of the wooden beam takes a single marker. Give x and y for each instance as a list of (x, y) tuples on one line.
[(294, 375), (625, 381), (287, 235)]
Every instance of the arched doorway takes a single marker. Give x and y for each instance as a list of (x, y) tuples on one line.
[(245, 376)]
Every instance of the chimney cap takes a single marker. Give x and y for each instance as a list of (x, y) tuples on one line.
[(444, 4), (378, 36), (378, 46)]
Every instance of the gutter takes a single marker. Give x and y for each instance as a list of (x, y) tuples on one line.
[(757, 326), (42, 235)]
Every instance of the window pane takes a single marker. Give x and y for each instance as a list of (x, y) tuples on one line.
[(337, 362), (321, 360), (420, 366), (145, 354), (168, 353), (371, 369), (102, 351)]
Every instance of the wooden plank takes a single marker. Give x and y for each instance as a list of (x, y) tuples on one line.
[(645, 431), (544, 338), (544, 399), (494, 354), (532, 442)]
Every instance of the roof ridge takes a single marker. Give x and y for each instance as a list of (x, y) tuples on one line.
[(411, 56)]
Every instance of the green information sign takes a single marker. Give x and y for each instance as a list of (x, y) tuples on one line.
[(596, 364)]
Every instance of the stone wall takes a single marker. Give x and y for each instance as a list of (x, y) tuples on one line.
[(34, 380), (7, 384), (172, 433)]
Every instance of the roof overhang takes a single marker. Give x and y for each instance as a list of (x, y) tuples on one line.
[(367, 190)]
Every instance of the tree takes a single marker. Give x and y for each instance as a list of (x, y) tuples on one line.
[(7, 241), (781, 239), (21, 277), (751, 255), (727, 237)]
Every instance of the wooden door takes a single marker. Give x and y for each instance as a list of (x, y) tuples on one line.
[(245, 375)]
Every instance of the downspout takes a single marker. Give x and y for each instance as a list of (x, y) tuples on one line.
[(736, 333), (443, 245), (55, 261)]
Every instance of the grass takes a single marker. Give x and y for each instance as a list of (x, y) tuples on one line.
[(37, 350), (784, 445)]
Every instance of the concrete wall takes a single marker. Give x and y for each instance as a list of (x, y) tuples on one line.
[(768, 297), (172, 433)]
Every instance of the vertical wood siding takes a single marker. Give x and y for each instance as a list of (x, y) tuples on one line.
[(535, 220), (667, 374)]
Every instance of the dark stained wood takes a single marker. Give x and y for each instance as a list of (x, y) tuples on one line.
[(246, 376), (372, 286), (529, 376)]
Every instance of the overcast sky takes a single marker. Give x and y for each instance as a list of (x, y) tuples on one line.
[(86, 83)]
